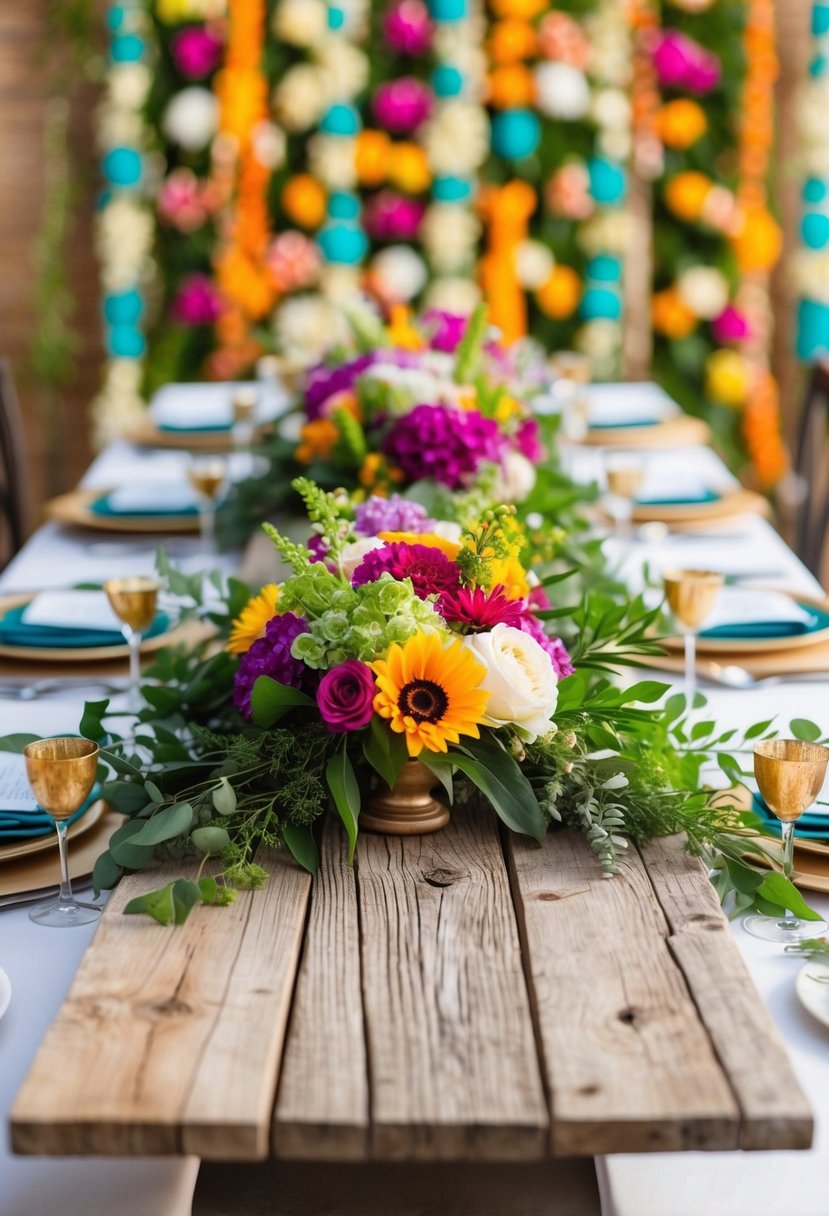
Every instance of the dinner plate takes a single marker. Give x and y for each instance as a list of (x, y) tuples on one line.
[(683, 431), (214, 440), (37, 844), (720, 506), (813, 636), (40, 872), (77, 654), (5, 992), (75, 509), (812, 988)]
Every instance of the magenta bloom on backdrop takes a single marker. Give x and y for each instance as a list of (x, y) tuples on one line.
[(401, 105), (682, 63), (345, 696), (476, 610), (407, 28), (730, 326), (446, 328), (197, 302), (270, 656), (442, 443), (430, 570), (196, 52), (393, 514), (529, 440), (392, 217), (323, 382)]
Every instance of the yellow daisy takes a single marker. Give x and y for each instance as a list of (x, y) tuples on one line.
[(250, 624), (429, 691)]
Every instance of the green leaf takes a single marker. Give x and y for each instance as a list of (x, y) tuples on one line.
[(777, 889), (271, 700), (339, 773), (154, 793), (186, 895), (16, 743), (91, 726), (385, 750), (443, 773), (125, 797), (303, 847), (759, 728), (120, 764), (646, 692), (165, 825), (805, 730), (744, 878), (210, 839), (126, 854), (157, 904), (497, 775), (224, 797), (209, 889), (105, 873)]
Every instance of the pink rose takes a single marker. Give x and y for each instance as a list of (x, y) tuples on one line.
[(730, 326), (682, 63), (402, 105), (407, 28), (345, 697), (196, 52), (197, 301)]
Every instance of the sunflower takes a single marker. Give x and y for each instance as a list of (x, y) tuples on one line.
[(250, 624), (430, 692)]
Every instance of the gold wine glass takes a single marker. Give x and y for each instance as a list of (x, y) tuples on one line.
[(207, 476), (133, 600), (789, 775), (61, 773), (691, 595), (572, 373), (244, 417), (624, 476)]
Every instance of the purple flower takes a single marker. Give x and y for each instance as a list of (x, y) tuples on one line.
[(443, 444), (682, 63), (555, 648), (447, 329), (394, 514), (529, 440), (323, 382), (391, 217), (197, 301), (402, 105), (407, 28), (270, 656), (196, 52), (345, 697), (430, 570)]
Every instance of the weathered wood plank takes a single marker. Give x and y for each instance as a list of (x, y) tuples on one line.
[(453, 1068), (322, 1108), (629, 1067), (775, 1111), (169, 1039)]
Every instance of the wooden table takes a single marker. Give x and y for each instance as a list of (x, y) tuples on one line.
[(463, 996)]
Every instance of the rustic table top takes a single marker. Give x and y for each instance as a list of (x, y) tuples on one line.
[(462, 996)]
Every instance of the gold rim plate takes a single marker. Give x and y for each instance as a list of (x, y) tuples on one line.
[(75, 509), (683, 431), (38, 844), (734, 646), (77, 654), (147, 435), (37, 873), (732, 502)]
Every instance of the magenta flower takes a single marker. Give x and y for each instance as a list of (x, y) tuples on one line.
[(323, 382), (345, 696), (473, 610), (430, 570), (446, 328), (682, 63), (407, 28), (197, 302), (196, 52), (270, 656), (730, 326), (555, 648), (443, 444), (391, 217), (402, 105), (529, 440), (394, 514)]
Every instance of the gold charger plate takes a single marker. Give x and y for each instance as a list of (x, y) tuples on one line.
[(37, 844), (733, 502), (777, 646), (146, 434), (78, 654), (683, 431), (39, 872), (75, 508)]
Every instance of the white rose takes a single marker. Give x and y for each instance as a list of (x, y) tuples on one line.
[(128, 85), (344, 67), (340, 283), (300, 22), (449, 233), (331, 159), (446, 528), (269, 144), (301, 97), (562, 91), (457, 138), (516, 478), (354, 552), (534, 264), (191, 118), (400, 271), (704, 290), (611, 108), (520, 680), (455, 294)]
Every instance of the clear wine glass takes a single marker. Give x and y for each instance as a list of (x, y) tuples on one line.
[(61, 773), (790, 775), (207, 476), (624, 476), (691, 595), (134, 601)]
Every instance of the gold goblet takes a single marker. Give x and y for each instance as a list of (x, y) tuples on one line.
[(789, 775), (572, 373), (624, 474), (691, 595), (133, 600), (207, 477), (244, 417), (61, 773)]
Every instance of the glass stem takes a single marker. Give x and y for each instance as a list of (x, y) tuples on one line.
[(207, 520), (690, 668), (134, 640), (65, 882), (787, 830)]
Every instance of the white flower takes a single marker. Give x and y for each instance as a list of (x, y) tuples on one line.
[(331, 159), (119, 404), (455, 294), (123, 239), (341, 284), (400, 271), (449, 235), (516, 478), (354, 552), (269, 145), (457, 138), (300, 22), (128, 85), (117, 128), (534, 264), (615, 144), (810, 274), (520, 680), (191, 118), (562, 90), (447, 528), (301, 97), (308, 325), (611, 108), (606, 232), (704, 290), (462, 44), (601, 341), (345, 68)]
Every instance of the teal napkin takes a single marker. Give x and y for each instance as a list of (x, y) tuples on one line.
[(623, 425), (688, 500), (196, 428), (101, 507), (770, 629), (25, 825), (813, 825), (15, 632)]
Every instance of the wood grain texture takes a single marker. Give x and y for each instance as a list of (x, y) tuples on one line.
[(453, 1067), (628, 1065), (775, 1112), (169, 1039), (322, 1109)]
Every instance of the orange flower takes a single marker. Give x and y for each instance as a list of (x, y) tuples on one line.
[(524, 9), (510, 86), (317, 440), (377, 475), (671, 316), (304, 200), (511, 40), (679, 124), (408, 167), (402, 333), (559, 296), (761, 428), (371, 157), (244, 282), (686, 193), (757, 241)]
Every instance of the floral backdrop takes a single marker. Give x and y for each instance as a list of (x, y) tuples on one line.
[(266, 159)]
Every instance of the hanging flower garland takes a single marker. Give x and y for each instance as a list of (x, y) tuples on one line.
[(811, 268)]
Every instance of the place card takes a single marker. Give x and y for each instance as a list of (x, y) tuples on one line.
[(738, 606), (628, 404), (152, 499), (15, 791), (71, 610)]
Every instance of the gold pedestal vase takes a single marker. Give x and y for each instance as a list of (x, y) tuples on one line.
[(409, 808)]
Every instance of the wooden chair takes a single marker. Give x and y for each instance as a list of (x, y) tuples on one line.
[(812, 467), (13, 496)]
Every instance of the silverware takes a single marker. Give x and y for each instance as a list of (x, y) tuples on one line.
[(30, 690), (731, 676), (748, 576)]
